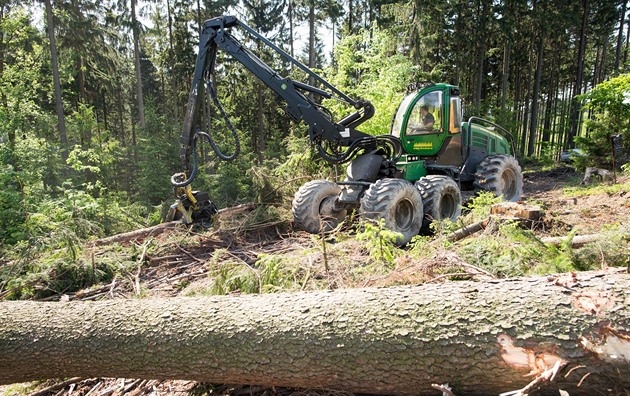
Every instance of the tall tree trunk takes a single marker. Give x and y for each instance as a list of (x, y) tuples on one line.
[(261, 125), (480, 337), (311, 38), (527, 97), (534, 124), (350, 16), (4, 8), (136, 55), (556, 135), (566, 117), (620, 36), (481, 55), (199, 21), (80, 65), (479, 78), (134, 139), (601, 75), (575, 107), (121, 112), (596, 66), (61, 121), (105, 110), (625, 47), (552, 94), (506, 69), (517, 95), (291, 47), (172, 61)]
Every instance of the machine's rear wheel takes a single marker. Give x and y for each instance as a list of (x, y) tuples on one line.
[(501, 175), (398, 202), (313, 207), (441, 198)]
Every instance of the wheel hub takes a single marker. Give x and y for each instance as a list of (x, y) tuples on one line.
[(404, 214)]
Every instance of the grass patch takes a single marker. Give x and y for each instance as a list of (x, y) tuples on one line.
[(597, 189)]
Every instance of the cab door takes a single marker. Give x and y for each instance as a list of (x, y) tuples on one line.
[(422, 121)]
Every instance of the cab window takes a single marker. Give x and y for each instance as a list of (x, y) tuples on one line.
[(426, 117), (397, 124), (455, 123)]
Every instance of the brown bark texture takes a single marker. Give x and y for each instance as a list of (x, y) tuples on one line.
[(479, 337)]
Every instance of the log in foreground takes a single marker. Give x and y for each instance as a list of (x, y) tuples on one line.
[(480, 337)]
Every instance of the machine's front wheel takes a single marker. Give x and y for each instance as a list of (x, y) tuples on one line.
[(396, 201), (441, 198), (501, 175), (313, 207)]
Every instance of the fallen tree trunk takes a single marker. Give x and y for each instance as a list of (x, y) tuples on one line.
[(468, 230), (480, 337), (156, 230), (138, 234), (577, 241)]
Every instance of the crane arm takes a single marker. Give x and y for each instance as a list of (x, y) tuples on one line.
[(323, 131), (217, 35)]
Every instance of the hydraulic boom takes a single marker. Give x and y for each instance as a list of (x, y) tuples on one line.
[(328, 136)]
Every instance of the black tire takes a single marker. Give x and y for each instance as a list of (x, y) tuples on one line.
[(313, 207), (399, 203), (501, 175), (441, 198)]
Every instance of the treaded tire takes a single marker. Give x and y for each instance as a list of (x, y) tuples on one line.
[(312, 207), (441, 198), (501, 175), (399, 203)]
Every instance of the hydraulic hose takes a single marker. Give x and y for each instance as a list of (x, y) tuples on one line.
[(390, 144), (180, 179), (237, 142)]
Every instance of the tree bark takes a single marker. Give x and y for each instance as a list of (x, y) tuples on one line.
[(535, 98), (290, 16), (56, 80), (173, 60), (480, 337), (3, 97), (260, 141), (620, 36), (523, 147), (575, 104), (625, 47), (136, 54), (506, 69), (311, 40)]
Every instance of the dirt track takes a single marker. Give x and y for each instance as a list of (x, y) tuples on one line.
[(586, 213)]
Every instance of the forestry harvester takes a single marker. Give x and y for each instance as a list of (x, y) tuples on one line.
[(409, 177)]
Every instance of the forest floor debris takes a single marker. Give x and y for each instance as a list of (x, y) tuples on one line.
[(236, 256)]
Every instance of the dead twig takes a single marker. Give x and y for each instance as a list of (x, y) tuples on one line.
[(547, 375), (573, 369), (445, 389), (56, 387), (187, 253), (94, 388), (145, 246), (139, 388), (583, 378)]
